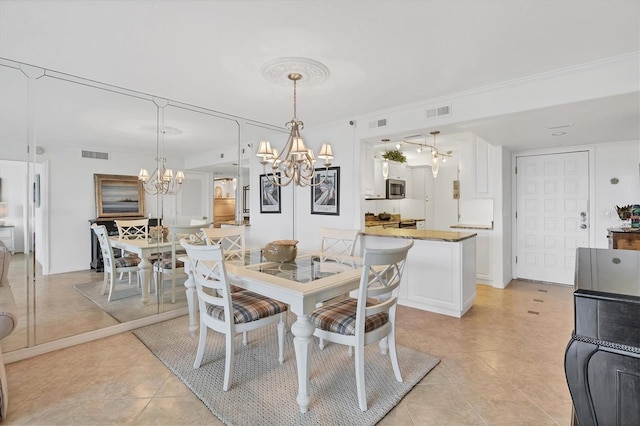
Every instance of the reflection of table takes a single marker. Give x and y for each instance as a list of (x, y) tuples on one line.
[(300, 284), (146, 250)]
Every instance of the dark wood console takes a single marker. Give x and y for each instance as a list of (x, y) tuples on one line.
[(624, 238), (112, 229), (602, 360)]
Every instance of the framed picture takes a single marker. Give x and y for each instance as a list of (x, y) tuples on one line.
[(325, 196), (118, 196), (269, 193)]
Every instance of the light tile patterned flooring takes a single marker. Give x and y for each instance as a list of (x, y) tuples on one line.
[(502, 364)]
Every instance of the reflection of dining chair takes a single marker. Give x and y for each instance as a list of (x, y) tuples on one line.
[(230, 238), (113, 265), (225, 312), (132, 229), (371, 317), (169, 262)]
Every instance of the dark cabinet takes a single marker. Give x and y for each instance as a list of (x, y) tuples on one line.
[(625, 239), (602, 360), (112, 229)]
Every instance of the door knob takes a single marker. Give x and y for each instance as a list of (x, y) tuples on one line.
[(583, 226)]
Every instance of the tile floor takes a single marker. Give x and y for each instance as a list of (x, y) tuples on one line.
[(502, 364)]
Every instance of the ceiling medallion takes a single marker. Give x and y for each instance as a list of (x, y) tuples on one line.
[(278, 70)]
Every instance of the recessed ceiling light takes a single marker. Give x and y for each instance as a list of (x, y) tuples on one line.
[(558, 133)]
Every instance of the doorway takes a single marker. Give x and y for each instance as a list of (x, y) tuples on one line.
[(552, 215)]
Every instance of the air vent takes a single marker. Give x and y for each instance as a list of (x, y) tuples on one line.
[(440, 111), (378, 123), (95, 154)]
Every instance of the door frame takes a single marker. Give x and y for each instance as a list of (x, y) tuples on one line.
[(514, 201)]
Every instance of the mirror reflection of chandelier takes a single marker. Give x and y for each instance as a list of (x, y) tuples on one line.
[(295, 162), (161, 181)]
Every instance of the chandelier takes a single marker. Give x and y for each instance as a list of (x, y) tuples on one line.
[(295, 162), (436, 155), (161, 181)]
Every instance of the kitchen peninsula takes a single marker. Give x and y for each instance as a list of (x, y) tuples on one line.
[(440, 274)]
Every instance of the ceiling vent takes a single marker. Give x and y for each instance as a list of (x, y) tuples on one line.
[(378, 123), (441, 111), (95, 155)]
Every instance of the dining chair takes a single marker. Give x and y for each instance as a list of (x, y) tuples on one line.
[(114, 265), (338, 241), (230, 238), (169, 262), (132, 229), (226, 312), (371, 317)]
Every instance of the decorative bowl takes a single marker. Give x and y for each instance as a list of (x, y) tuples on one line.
[(156, 231), (281, 251)]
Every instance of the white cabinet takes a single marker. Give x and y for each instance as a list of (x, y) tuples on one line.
[(373, 179), (397, 170), (6, 236), (475, 177), (483, 257)]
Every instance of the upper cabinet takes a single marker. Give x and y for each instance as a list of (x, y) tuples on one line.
[(397, 170), (373, 179), (475, 179)]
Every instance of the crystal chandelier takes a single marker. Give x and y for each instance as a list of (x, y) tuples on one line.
[(161, 181), (295, 162)]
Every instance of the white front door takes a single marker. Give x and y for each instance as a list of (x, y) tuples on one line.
[(552, 215)]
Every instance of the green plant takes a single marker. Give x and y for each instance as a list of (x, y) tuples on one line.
[(395, 156)]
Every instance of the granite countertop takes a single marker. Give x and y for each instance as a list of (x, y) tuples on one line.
[(467, 226), (419, 234), (624, 230)]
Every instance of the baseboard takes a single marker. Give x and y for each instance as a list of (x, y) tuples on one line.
[(79, 339)]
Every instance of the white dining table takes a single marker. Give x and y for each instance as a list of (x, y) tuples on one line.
[(311, 279), (146, 250)]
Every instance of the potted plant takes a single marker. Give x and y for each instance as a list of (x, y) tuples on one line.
[(395, 156)]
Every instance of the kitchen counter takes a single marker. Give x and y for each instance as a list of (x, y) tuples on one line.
[(420, 234), (467, 226), (440, 271)]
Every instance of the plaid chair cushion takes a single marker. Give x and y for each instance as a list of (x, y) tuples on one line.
[(166, 264), (125, 261), (340, 317), (247, 307)]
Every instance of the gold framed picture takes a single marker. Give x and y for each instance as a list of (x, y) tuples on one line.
[(118, 196)]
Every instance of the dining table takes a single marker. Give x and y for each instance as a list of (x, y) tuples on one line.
[(312, 278), (146, 250)]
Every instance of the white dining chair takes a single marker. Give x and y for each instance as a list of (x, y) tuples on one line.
[(114, 265), (231, 239), (371, 317), (170, 263), (226, 312), (338, 241), (133, 229)]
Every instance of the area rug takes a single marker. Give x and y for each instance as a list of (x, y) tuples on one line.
[(264, 391), (126, 304)]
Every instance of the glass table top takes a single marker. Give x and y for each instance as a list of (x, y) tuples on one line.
[(305, 268)]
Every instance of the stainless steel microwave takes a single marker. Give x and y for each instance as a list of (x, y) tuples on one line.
[(395, 189)]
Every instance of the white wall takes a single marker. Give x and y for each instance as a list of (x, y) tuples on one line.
[(14, 192), (620, 160)]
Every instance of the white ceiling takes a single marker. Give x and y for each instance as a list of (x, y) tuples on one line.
[(380, 54)]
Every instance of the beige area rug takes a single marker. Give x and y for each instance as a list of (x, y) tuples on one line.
[(126, 304), (263, 392)]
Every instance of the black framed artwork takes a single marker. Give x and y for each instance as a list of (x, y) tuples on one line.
[(325, 195), (270, 193)]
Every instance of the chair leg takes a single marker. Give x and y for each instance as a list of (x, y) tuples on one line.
[(112, 285), (105, 282), (201, 343), (362, 393), (281, 337), (321, 343), (350, 351), (173, 286), (228, 361), (394, 356)]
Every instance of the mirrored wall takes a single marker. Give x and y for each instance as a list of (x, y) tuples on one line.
[(57, 133)]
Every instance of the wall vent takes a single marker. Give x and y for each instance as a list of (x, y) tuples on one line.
[(95, 154), (378, 123), (440, 111)]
